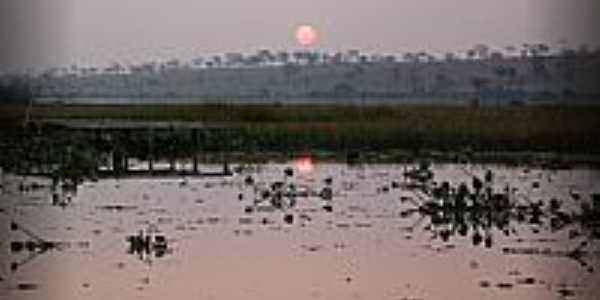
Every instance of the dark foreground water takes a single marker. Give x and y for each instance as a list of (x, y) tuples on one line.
[(236, 238)]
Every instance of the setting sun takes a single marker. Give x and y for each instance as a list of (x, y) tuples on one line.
[(306, 35)]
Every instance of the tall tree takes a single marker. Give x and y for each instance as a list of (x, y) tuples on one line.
[(283, 57)]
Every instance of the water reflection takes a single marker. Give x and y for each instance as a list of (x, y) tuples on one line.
[(147, 245), (304, 164), (338, 232), (282, 194), (33, 246), (480, 211)]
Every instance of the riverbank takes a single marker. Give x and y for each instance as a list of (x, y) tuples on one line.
[(554, 129)]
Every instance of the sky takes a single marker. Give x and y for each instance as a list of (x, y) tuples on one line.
[(99, 32)]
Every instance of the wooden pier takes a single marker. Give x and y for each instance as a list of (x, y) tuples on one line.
[(149, 142)]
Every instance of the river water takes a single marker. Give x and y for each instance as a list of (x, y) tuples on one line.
[(223, 243)]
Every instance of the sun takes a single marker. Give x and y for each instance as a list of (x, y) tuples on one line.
[(306, 35)]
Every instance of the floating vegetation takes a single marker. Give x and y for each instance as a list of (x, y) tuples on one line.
[(117, 207), (147, 245), (282, 195), (342, 221), (27, 286), (33, 246), (578, 253), (479, 210)]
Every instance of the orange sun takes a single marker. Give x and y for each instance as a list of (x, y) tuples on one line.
[(306, 35)]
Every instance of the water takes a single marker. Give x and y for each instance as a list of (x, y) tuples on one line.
[(223, 245)]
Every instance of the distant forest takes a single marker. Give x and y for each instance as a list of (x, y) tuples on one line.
[(15, 89), (535, 74)]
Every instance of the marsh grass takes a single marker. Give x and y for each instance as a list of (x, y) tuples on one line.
[(444, 128)]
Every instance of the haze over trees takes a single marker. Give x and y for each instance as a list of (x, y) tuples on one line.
[(529, 72), (15, 89)]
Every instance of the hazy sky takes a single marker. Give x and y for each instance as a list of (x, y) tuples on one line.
[(98, 32)]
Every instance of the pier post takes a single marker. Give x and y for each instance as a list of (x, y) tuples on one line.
[(172, 149), (97, 146), (195, 149), (117, 155), (226, 170), (117, 162), (171, 164), (128, 134), (150, 154), (125, 163)]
